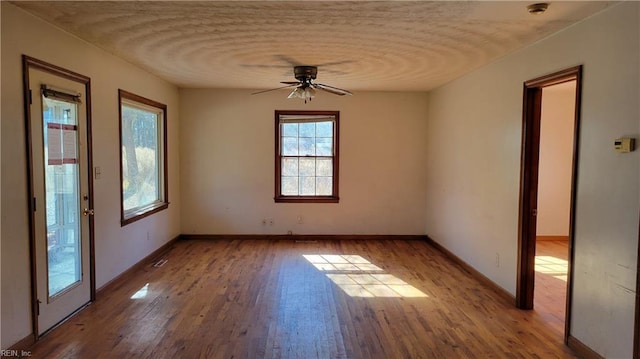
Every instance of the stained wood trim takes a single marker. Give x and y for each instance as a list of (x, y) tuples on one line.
[(581, 349), (528, 196), (122, 94), (54, 69), (334, 198), (92, 249), (307, 199), (532, 96), (304, 237), (552, 238), (147, 213), (636, 331), (151, 257), (576, 72), (28, 63), (555, 78), (503, 293)]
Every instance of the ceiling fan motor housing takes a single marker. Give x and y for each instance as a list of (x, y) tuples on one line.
[(305, 73)]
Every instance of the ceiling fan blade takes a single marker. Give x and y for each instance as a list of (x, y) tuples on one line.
[(334, 63), (291, 82), (267, 66), (277, 88), (333, 90)]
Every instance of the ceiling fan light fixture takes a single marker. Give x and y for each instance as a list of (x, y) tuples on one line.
[(309, 93), (296, 93), (306, 93)]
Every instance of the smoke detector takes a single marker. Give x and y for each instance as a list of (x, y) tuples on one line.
[(537, 9)]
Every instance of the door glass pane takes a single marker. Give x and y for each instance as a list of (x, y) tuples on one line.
[(61, 163)]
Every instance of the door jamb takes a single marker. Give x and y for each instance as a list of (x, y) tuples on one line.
[(29, 63), (636, 329), (532, 101)]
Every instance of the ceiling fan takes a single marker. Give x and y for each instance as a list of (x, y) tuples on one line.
[(305, 87)]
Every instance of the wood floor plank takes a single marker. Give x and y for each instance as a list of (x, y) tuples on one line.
[(246, 298), (551, 282)]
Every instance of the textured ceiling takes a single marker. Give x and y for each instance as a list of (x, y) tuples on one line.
[(358, 45)]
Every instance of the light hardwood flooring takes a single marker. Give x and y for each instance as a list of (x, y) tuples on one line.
[(549, 298), (284, 299)]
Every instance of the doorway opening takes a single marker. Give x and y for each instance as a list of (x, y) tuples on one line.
[(557, 120), (551, 114)]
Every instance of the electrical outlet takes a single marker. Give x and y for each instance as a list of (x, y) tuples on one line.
[(497, 260)]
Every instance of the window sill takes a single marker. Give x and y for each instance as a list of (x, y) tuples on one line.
[(143, 212), (307, 199)]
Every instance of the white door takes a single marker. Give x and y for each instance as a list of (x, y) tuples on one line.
[(61, 200)]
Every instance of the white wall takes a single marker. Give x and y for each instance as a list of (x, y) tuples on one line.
[(228, 164), (556, 157), (473, 145), (117, 248)]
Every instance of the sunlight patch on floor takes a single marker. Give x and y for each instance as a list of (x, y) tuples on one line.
[(141, 293), (552, 266), (334, 262), (358, 277)]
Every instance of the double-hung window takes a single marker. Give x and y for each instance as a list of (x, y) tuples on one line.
[(143, 157), (307, 156)]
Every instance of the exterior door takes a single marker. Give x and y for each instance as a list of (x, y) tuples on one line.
[(61, 207)]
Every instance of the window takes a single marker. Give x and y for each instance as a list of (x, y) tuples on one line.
[(306, 156), (143, 157)]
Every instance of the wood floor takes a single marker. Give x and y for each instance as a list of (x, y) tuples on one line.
[(549, 298), (283, 299)]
